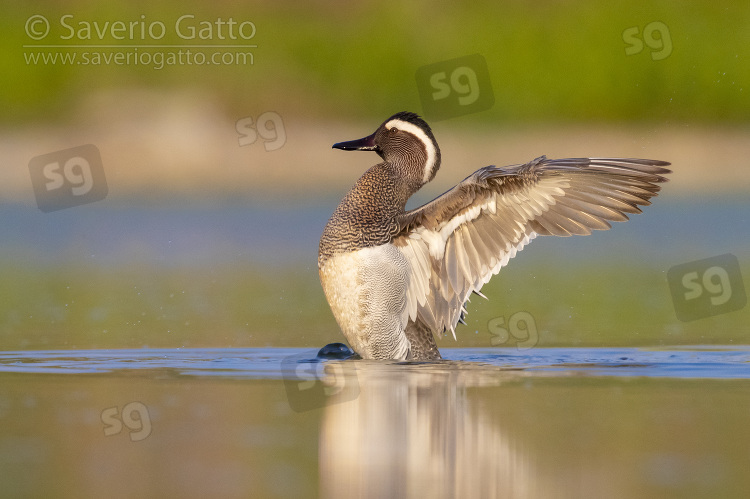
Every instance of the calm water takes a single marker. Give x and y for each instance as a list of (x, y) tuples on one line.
[(561, 422), (672, 230), (276, 422)]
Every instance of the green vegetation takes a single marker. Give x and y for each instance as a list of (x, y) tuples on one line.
[(587, 304), (548, 61)]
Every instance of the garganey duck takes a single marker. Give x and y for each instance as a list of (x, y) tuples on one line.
[(394, 278)]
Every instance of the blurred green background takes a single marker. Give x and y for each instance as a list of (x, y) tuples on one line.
[(550, 60), (199, 242)]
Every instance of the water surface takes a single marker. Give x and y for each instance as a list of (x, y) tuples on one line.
[(277, 422)]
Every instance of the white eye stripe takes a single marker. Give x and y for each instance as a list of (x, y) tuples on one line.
[(427, 141)]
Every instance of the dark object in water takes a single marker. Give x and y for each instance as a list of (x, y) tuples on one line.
[(335, 351)]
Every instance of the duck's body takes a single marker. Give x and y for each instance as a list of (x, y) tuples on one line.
[(394, 278), (364, 276)]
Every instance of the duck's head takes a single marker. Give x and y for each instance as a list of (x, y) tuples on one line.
[(405, 141)]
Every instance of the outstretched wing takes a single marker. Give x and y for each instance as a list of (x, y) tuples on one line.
[(458, 241)]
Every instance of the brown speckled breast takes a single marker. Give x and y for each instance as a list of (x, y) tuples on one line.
[(366, 217)]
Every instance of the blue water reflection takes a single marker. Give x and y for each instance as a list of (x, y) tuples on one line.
[(708, 362), (179, 233)]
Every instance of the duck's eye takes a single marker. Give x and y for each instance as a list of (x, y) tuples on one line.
[(393, 129)]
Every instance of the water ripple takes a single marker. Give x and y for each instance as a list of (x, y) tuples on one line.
[(276, 363)]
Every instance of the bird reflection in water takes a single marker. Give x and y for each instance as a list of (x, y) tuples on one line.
[(412, 432)]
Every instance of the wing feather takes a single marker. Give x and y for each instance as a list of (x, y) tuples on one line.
[(458, 241)]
